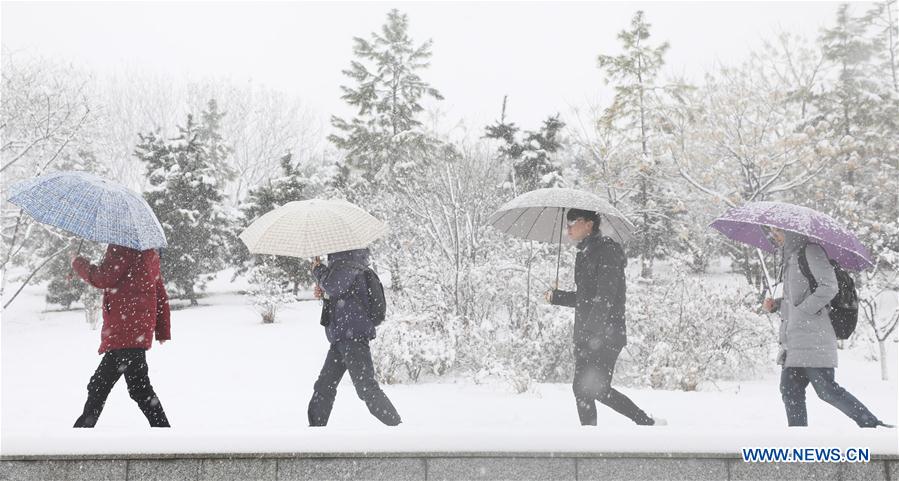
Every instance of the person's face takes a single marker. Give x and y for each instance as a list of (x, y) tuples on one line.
[(579, 229), (775, 235)]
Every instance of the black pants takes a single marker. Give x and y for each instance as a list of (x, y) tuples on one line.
[(593, 381), (355, 357), (794, 380), (133, 364)]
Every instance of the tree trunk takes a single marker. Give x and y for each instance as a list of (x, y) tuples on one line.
[(646, 267), (395, 281)]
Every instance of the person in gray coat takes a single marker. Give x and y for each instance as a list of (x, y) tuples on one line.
[(808, 344)]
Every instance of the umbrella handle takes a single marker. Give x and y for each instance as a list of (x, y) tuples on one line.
[(71, 278)]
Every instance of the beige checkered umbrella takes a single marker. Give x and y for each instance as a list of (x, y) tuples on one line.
[(309, 228)]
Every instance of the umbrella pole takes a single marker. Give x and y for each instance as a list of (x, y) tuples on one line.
[(765, 277), (527, 294), (71, 278), (559, 252)]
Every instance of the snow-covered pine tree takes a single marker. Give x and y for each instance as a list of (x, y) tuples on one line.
[(385, 140), (531, 158), (637, 112), (187, 197), (386, 147), (858, 125)]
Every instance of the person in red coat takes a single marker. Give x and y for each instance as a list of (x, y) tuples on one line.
[(135, 308)]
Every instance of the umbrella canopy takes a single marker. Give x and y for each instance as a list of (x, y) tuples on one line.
[(308, 228), (744, 224), (90, 207), (540, 215)]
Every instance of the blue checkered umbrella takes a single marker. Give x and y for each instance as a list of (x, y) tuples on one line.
[(90, 207)]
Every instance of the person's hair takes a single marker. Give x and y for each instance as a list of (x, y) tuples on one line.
[(586, 215)]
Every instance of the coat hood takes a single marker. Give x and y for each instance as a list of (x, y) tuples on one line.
[(793, 242), (360, 256)]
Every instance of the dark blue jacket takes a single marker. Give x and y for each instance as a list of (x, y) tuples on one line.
[(600, 295), (348, 305)]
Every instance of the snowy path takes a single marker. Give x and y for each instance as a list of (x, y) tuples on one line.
[(231, 384)]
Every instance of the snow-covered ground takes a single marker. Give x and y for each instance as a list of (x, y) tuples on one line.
[(231, 384)]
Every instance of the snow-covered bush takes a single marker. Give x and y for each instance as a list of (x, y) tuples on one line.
[(269, 290), (411, 345), (536, 350), (684, 331), (487, 325)]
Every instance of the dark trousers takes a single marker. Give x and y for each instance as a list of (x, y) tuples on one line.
[(593, 382), (133, 364), (794, 380), (355, 357)]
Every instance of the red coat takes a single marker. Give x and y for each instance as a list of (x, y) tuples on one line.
[(135, 304)]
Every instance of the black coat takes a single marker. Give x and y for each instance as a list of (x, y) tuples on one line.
[(347, 308), (600, 295)]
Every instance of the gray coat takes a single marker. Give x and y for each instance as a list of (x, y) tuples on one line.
[(807, 338)]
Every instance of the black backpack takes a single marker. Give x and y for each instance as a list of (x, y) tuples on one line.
[(377, 303), (843, 308)]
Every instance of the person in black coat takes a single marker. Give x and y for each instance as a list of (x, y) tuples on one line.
[(599, 328)]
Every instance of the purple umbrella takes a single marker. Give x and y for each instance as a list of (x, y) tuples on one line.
[(744, 223)]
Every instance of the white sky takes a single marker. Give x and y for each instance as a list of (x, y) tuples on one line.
[(542, 54)]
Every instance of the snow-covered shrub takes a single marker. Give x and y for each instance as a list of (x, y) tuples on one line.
[(410, 345), (684, 331), (537, 349), (268, 291), (490, 322), (422, 329)]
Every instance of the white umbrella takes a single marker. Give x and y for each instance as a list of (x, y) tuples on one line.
[(309, 228), (540, 215)]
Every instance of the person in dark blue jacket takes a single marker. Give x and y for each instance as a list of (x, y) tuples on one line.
[(349, 328)]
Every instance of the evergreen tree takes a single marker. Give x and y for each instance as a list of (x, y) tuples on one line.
[(187, 196), (385, 140), (858, 131), (532, 166), (293, 184), (637, 112), (386, 148)]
